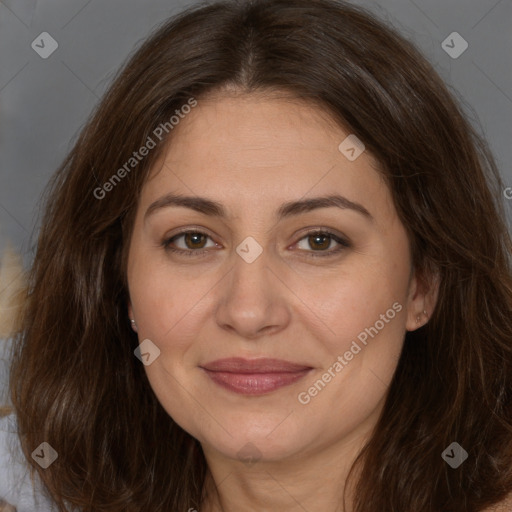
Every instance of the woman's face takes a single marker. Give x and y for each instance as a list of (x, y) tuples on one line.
[(256, 282)]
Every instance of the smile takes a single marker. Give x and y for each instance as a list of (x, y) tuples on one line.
[(256, 376), (255, 383)]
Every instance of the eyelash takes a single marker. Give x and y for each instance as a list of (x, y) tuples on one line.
[(344, 244)]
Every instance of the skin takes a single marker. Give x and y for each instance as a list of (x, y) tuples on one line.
[(252, 153)]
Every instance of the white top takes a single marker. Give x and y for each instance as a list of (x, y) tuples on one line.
[(15, 484)]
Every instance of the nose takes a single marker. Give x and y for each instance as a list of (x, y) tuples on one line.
[(254, 301)]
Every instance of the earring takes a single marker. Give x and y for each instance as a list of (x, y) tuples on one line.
[(134, 325), (418, 318)]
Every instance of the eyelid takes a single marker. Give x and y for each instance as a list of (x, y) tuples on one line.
[(166, 242), (342, 241)]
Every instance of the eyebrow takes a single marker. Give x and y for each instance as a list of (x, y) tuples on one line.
[(288, 209)]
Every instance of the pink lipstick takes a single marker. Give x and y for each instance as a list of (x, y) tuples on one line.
[(254, 376)]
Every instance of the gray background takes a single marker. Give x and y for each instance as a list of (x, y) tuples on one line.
[(44, 102)]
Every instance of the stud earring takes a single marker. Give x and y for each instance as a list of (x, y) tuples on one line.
[(134, 325), (418, 318)]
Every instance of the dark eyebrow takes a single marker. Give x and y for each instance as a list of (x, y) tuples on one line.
[(215, 209)]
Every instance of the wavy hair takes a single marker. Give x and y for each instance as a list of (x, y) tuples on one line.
[(75, 382)]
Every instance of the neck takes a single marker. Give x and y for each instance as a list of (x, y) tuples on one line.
[(312, 481)]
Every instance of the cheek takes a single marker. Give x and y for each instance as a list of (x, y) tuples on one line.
[(170, 306), (155, 306), (153, 298), (349, 302)]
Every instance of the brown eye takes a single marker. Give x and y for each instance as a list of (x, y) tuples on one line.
[(193, 240), (320, 241), (194, 243)]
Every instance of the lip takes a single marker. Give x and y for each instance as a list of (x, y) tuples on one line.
[(254, 376), (260, 365)]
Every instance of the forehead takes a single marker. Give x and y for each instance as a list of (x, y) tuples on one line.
[(263, 130), (261, 149)]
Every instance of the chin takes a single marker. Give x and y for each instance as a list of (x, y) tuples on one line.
[(250, 444)]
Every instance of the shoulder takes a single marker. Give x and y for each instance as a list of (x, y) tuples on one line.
[(16, 486)]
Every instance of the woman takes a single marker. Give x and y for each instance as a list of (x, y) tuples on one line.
[(273, 274)]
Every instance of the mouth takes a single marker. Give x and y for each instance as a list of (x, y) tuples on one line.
[(256, 376)]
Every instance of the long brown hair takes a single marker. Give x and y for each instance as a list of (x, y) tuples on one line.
[(75, 382)]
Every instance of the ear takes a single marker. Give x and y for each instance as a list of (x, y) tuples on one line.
[(422, 297)]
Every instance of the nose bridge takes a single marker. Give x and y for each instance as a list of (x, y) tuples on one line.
[(252, 300), (249, 280)]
